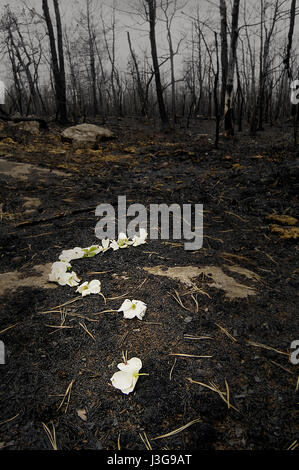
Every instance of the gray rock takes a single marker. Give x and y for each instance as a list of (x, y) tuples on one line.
[(86, 136)]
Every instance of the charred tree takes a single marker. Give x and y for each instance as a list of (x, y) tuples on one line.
[(229, 95), (57, 60)]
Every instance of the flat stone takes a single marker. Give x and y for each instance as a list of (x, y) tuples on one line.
[(86, 136), (215, 278), (10, 282), (23, 171)]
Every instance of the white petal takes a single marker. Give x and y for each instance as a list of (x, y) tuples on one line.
[(95, 286), (126, 305), (114, 245), (130, 313), (122, 236), (122, 380), (105, 243), (143, 233), (133, 365), (81, 287)]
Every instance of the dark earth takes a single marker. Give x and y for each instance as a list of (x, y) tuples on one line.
[(60, 356)]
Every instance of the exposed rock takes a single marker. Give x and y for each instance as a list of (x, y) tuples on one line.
[(32, 127), (10, 282), (187, 275), (25, 171), (86, 136)]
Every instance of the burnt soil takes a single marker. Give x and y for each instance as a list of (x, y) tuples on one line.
[(239, 184)]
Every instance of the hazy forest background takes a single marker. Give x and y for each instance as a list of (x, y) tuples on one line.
[(173, 58)]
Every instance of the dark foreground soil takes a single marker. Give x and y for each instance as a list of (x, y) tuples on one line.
[(52, 373)]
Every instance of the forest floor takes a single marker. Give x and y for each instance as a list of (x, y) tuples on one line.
[(238, 309)]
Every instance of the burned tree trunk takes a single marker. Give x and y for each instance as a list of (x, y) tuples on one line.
[(224, 52), (57, 61), (295, 107), (228, 110), (152, 9)]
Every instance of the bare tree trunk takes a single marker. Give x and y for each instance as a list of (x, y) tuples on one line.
[(228, 112), (91, 40), (152, 21), (295, 108), (142, 97), (57, 61), (224, 52), (290, 38), (217, 114)]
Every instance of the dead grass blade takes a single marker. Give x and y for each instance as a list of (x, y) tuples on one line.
[(264, 346), (215, 388), (178, 430), (118, 442), (239, 257), (142, 284), (196, 290), (118, 297), (197, 337), (8, 420), (59, 327), (226, 333), (178, 299), (284, 368), (51, 435), (87, 330), (293, 446), (91, 273), (105, 311), (66, 303), (215, 239), (67, 396), (145, 441), (171, 370), (235, 215), (187, 355), (8, 328), (196, 303)]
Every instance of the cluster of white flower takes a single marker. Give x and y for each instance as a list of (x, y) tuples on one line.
[(61, 272), (124, 242)]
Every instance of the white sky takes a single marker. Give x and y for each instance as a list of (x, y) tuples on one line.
[(209, 11)]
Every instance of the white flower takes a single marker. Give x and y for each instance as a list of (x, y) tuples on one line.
[(71, 279), (58, 271), (139, 240), (105, 245), (122, 242), (114, 245), (69, 255), (125, 380), (91, 251), (134, 308), (92, 287)]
